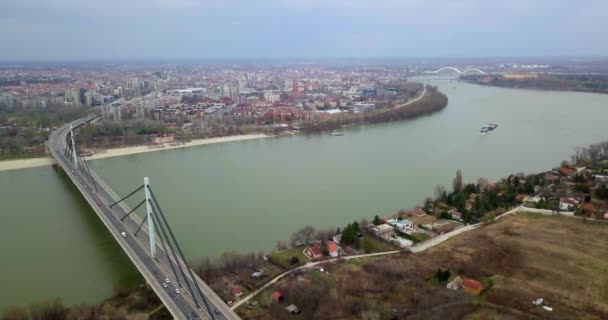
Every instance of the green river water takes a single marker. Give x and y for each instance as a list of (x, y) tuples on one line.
[(244, 196)]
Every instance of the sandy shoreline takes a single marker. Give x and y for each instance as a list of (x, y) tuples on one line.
[(108, 153)]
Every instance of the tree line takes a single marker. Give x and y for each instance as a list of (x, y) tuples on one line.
[(432, 102)]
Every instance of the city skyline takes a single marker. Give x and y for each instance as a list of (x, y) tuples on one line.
[(37, 30)]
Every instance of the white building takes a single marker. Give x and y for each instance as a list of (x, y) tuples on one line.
[(403, 225)]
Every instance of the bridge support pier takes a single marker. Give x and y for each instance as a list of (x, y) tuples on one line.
[(150, 220)]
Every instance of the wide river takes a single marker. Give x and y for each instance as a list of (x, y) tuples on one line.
[(244, 196)]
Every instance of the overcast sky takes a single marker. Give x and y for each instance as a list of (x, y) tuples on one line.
[(203, 29)]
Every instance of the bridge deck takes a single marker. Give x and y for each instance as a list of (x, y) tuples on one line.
[(154, 270)]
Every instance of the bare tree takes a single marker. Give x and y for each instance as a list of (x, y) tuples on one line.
[(260, 257), (15, 313), (439, 191), (575, 158), (457, 183), (325, 235), (304, 236), (281, 245), (363, 223)]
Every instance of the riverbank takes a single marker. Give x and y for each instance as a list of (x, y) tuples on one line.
[(431, 100), (118, 152), (545, 82)]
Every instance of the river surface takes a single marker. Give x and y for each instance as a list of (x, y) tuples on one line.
[(244, 196)]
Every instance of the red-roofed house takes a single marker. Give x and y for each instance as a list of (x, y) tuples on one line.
[(456, 215), (276, 296), (468, 205), (520, 198), (332, 248), (237, 291), (550, 177), (566, 171), (313, 252), (471, 286), (418, 212), (568, 204)]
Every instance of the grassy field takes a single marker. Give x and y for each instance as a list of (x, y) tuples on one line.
[(524, 257), (375, 244), (283, 258)]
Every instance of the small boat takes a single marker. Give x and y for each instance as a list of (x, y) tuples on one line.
[(488, 127), (337, 134)]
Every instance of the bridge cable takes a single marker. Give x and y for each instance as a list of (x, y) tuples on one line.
[(162, 229), (200, 292), (85, 169), (89, 172), (130, 194), (142, 223), (136, 207), (164, 234)]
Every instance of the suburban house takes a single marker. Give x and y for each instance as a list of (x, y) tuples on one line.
[(237, 291), (313, 252), (418, 212), (567, 171), (456, 215), (332, 248), (401, 225), (468, 205), (568, 204), (276, 296), (532, 201), (520, 198), (455, 284), (471, 286), (549, 177), (383, 231)]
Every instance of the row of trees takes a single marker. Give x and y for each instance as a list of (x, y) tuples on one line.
[(36, 116), (583, 83), (485, 201), (592, 154), (26, 128), (228, 262)]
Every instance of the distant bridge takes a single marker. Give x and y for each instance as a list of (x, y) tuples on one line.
[(455, 69)]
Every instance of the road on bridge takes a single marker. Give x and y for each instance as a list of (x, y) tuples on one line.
[(155, 270)]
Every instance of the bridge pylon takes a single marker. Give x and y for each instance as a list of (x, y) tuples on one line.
[(74, 153), (150, 212)]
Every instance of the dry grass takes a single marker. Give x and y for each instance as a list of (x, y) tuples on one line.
[(563, 260)]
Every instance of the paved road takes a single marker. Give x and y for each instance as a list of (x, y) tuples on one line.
[(154, 270)]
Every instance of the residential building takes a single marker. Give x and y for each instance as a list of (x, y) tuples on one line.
[(403, 225), (332, 248), (568, 204), (383, 231), (455, 284), (313, 252), (276, 296), (471, 286)]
